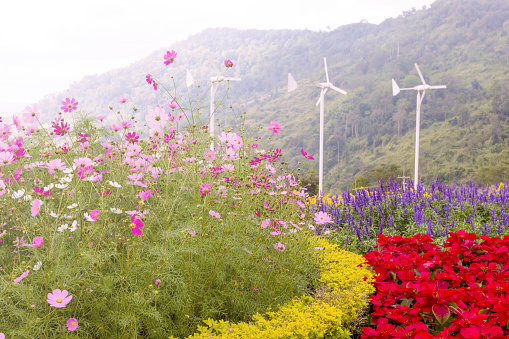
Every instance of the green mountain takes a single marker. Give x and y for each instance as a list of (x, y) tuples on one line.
[(369, 133)]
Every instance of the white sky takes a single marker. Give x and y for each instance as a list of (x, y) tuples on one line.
[(45, 45)]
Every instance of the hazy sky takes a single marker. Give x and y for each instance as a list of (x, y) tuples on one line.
[(45, 45)]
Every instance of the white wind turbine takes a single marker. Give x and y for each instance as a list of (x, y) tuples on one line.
[(421, 88), (215, 83), (324, 86)]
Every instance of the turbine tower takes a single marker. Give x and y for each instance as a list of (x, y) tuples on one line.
[(324, 87), (215, 83), (421, 88)]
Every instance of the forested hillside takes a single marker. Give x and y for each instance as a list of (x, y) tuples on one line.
[(463, 44)]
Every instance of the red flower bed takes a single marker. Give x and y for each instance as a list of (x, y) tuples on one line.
[(425, 292)]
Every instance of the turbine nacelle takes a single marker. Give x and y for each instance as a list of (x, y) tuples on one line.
[(423, 87), (217, 79)]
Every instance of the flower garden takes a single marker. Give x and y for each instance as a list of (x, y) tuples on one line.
[(106, 233)]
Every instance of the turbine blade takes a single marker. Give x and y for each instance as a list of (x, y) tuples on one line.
[(292, 84), (218, 72), (338, 90), (322, 96), (420, 74), (326, 72), (437, 87), (395, 88), (189, 79), (232, 79)]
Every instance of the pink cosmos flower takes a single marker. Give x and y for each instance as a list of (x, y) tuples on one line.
[(126, 124), (16, 122), (37, 242), (172, 104), (55, 164), (101, 118), (136, 224), (132, 137), (279, 247), (274, 127), (94, 214), (31, 114), (6, 158), (123, 100), (22, 276), (5, 132), (322, 218), (2, 336), (204, 189), (170, 57), (149, 79), (72, 324), (69, 105), (157, 115), (31, 130), (156, 132), (215, 214), (36, 207), (210, 155), (265, 223), (58, 298), (228, 63), (306, 154), (115, 127)]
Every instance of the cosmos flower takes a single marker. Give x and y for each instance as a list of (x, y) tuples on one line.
[(59, 298), (306, 154), (228, 63), (170, 57), (22, 276), (69, 105), (72, 324), (274, 127), (123, 100)]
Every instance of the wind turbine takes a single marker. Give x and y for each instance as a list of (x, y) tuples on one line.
[(421, 88), (215, 83), (324, 87)]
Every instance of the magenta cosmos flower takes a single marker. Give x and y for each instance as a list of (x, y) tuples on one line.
[(37, 242), (72, 324), (228, 63), (136, 224), (94, 214), (59, 298), (204, 189), (306, 154), (69, 105), (170, 57), (274, 127)]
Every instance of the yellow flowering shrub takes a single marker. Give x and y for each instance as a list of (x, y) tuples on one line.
[(344, 289)]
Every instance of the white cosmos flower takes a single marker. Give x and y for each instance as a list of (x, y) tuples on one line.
[(65, 179), (114, 184), (18, 194), (37, 266), (74, 226), (61, 186), (116, 210), (53, 214), (87, 216), (27, 197), (62, 228), (50, 186), (66, 216), (69, 170), (73, 205)]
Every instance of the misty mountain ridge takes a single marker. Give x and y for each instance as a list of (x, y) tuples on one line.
[(464, 131)]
